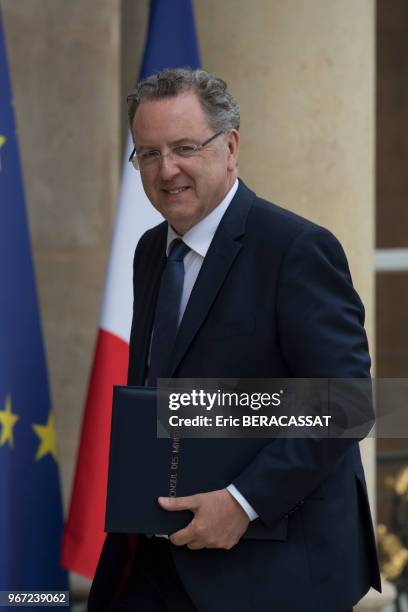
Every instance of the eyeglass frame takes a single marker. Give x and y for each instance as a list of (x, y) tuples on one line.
[(197, 148)]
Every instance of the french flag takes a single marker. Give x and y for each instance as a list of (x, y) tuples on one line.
[(171, 43)]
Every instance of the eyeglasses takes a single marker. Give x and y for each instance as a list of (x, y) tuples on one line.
[(154, 157)]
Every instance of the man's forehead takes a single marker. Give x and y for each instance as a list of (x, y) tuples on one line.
[(169, 116)]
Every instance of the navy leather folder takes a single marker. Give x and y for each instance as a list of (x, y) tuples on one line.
[(143, 467)]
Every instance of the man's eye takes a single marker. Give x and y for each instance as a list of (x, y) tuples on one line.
[(149, 155), (185, 150)]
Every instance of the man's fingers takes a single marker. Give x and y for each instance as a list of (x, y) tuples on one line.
[(178, 503), (195, 545), (183, 536)]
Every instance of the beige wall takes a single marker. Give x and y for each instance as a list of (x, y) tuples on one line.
[(304, 74)]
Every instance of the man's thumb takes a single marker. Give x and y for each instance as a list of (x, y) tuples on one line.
[(177, 503)]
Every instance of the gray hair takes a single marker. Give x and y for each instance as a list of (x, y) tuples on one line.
[(220, 107)]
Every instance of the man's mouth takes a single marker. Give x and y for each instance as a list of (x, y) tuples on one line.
[(175, 191)]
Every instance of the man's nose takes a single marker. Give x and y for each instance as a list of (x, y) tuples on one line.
[(168, 166)]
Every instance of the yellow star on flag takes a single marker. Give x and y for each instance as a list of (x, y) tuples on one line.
[(48, 438), (7, 421), (2, 141)]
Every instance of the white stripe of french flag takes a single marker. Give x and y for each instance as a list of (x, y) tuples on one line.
[(84, 529)]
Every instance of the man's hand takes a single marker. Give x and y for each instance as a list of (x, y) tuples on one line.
[(219, 520)]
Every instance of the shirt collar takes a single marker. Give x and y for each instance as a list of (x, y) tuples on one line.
[(199, 237)]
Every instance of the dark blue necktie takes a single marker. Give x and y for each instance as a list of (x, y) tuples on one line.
[(167, 312)]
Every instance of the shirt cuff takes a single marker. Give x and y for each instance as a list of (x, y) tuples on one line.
[(252, 515)]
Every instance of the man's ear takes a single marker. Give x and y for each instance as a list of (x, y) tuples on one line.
[(233, 148)]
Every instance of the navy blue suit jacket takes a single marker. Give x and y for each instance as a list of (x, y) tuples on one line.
[(274, 299)]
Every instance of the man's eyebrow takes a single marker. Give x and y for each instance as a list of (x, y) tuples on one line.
[(144, 146), (181, 140), (173, 143)]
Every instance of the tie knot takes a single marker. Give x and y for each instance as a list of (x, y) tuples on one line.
[(178, 250)]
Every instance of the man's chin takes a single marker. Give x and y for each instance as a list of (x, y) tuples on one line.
[(181, 221)]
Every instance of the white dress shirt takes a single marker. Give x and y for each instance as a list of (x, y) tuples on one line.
[(199, 239)]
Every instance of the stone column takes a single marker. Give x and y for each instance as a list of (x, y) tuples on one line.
[(304, 73)]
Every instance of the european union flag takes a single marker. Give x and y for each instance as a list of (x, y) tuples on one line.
[(30, 501)]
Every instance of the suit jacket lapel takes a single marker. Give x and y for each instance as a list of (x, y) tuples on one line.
[(220, 257)]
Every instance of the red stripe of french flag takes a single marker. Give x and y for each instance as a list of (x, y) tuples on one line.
[(84, 530)]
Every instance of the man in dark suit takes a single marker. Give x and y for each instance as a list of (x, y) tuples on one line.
[(264, 293)]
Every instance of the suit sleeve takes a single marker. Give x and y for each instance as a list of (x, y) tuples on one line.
[(137, 259), (321, 333)]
